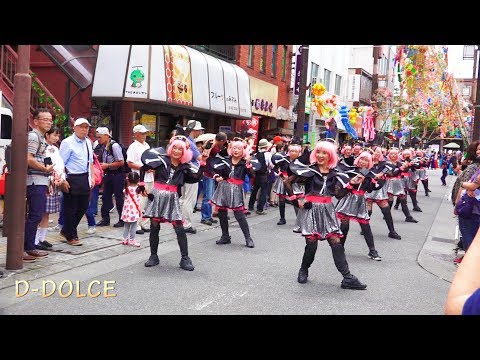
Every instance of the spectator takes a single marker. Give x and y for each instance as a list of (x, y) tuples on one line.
[(37, 181), (134, 161), (77, 154), (111, 159), (464, 294)]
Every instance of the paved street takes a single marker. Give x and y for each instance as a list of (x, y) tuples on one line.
[(233, 279)]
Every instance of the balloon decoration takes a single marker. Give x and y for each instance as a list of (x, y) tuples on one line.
[(344, 117), (368, 124)]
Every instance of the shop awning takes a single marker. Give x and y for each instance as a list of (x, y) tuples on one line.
[(174, 74)]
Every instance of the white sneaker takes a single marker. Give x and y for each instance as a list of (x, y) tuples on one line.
[(55, 228), (91, 230)]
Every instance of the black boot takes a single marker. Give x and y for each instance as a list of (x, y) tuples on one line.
[(154, 240), (242, 222), (281, 222), (185, 262), (344, 227), (387, 215), (413, 196), (225, 239), (406, 212), (425, 187), (307, 260), (349, 281)]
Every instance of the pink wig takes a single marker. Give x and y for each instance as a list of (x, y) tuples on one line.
[(407, 152), (238, 144), (379, 151), (330, 149), (187, 153), (294, 147), (365, 154), (419, 153), (348, 147), (392, 152)]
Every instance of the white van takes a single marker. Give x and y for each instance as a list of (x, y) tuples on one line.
[(6, 118)]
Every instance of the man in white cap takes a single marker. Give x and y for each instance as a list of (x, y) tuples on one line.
[(77, 154), (111, 159), (189, 191), (261, 177), (134, 161)]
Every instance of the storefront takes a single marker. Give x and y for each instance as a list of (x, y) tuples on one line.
[(162, 85), (263, 107)]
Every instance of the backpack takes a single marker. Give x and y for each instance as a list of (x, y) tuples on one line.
[(126, 168)]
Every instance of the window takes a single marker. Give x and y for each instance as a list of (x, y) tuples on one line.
[(313, 77), (466, 90), (284, 62), (274, 61), (326, 79), (6, 130), (263, 60), (338, 84), (250, 55)]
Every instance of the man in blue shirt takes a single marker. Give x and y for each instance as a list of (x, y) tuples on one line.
[(77, 154)]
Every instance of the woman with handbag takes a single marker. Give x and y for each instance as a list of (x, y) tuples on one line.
[(54, 196)]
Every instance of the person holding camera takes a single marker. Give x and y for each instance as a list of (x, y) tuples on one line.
[(37, 181)]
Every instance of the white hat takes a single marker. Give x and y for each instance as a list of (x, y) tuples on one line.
[(139, 129), (81, 121), (198, 125), (263, 143), (103, 131)]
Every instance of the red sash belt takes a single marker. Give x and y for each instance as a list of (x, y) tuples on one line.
[(406, 174), (358, 192), (167, 187), (318, 199), (284, 173), (235, 181), (394, 177)]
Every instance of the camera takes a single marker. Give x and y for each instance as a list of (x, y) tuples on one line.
[(47, 161), (209, 144)]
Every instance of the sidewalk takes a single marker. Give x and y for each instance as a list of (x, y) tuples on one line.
[(437, 254)]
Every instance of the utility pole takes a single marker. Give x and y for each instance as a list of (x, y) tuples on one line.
[(476, 116), (17, 177), (302, 93), (376, 51)]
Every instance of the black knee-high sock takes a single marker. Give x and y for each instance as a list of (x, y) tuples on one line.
[(281, 207), (309, 254), (344, 226), (339, 258), (154, 237), (182, 239), (425, 185), (413, 196), (296, 210), (242, 221), (368, 235), (387, 214), (370, 212), (405, 209), (390, 203), (397, 202), (222, 216)]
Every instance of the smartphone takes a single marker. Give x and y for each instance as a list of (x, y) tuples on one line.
[(47, 161)]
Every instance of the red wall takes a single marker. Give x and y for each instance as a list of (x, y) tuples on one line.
[(55, 81), (283, 86)]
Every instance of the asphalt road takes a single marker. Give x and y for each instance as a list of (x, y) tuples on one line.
[(233, 279)]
